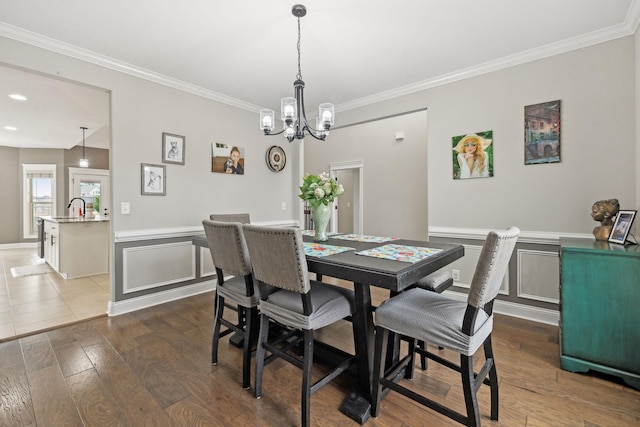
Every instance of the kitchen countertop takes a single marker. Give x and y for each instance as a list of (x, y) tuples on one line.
[(74, 219)]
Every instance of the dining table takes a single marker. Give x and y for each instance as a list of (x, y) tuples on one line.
[(390, 263)]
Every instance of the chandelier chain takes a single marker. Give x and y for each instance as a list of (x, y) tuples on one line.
[(299, 76)]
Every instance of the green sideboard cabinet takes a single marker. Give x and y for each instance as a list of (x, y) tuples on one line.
[(600, 308)]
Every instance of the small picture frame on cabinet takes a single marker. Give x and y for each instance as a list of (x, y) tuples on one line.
[(622, 226)]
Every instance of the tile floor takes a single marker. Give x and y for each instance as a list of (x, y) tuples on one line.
[(34, 303)]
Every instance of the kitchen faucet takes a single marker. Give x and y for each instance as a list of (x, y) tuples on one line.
[(84, 205)]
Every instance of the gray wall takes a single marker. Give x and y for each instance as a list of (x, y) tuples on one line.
[(10, 171), (599, 152), (395, 172), (596, 87), (11, 184), (141, 111)]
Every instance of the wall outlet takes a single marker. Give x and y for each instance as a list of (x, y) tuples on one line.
[(455, 275)]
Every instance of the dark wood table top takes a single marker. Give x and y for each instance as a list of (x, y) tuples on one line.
[(384, 273)]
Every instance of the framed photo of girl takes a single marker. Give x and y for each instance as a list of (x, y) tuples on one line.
[(473, 155), (622, 227), (172, 148)]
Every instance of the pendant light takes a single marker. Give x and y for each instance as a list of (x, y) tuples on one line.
[(84, 163)]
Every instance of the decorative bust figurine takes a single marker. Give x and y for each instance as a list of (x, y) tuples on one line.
[(603, 211)]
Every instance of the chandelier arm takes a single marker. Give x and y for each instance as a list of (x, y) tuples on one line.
[(311, 132), (272, 134)]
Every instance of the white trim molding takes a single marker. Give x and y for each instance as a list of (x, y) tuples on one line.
[(540, 237), (173, 232), (145, 301)]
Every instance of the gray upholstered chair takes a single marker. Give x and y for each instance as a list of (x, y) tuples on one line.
[(242, 218), (300, 304), (438, 281), (231, 257), (456, 325)]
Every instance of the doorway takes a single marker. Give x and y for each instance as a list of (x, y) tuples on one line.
[(93, 186), (348, 215)]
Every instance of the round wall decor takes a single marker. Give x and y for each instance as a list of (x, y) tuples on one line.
[(276, 159)]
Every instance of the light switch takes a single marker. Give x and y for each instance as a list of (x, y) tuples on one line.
[(284, 206), (125, 208)]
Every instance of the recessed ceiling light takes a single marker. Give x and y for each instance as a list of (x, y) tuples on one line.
[(11, 128), (18, 97)]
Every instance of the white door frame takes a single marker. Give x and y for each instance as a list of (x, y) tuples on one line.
[(104, 190), (357, 166)]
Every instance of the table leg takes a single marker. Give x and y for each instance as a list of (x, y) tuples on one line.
[(358, 405)]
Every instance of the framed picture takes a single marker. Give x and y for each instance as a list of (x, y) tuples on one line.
[(227, 159), (622, 226), (542, 133), (172, 148), (473, 155), (153, 179)]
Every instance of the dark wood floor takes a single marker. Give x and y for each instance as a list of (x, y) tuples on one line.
[(152, 368)]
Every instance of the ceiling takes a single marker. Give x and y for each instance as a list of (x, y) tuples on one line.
[(354, 52)]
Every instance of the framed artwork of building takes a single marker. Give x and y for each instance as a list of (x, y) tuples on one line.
[(542, 133)]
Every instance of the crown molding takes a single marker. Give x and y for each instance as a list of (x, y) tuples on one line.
[(607, 34), (34, 39)]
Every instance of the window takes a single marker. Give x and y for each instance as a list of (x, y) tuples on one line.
[(39, 195)]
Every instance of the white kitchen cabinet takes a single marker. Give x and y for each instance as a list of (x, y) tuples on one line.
[(77, 247), (51, 235)]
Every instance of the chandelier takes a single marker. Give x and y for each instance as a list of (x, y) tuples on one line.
[(292, 110)]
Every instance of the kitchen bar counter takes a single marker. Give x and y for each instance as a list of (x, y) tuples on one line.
[(76, 246), (74, 219)]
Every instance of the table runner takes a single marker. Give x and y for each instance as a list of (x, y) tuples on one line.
[(364, 238), (400, 252), (320, 250), (312, 233)]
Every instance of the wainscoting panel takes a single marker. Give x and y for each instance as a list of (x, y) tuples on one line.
[(206, 264), (530, 288), (467, 266), (153, 266), (539, 275)]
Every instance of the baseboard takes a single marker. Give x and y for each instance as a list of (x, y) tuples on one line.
[(133, 304), (527, 312), (22, 245)]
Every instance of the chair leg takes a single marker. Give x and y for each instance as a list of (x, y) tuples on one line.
[(307, 381), (423, 359), (260, 353), (470, 398), (216, 329), (411, 344), (379, 360), (493, 378), (251, 329)]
